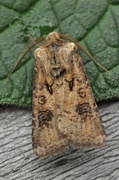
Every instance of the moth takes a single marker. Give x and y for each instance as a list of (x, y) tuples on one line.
[(64, 108)]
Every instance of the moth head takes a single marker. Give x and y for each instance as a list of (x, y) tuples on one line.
[(52, 37)]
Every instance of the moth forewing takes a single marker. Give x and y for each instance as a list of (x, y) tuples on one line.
[(78, 117), (46, 139), (64, 109)]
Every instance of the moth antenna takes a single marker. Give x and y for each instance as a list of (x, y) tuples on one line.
[(32, 40), (86, 52), (24, 54)]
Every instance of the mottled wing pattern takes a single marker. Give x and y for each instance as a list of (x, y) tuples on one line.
[(64, 109), (78, 117), (46, 139)]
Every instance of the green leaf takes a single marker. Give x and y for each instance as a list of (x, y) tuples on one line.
[(95, 24)]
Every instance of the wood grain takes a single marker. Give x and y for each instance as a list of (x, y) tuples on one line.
[(18, 161)]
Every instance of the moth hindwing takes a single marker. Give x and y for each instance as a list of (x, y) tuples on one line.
[(64, 109)]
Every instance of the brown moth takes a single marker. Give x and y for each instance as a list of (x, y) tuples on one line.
[(64, 109)]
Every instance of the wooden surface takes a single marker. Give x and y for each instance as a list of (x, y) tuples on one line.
[(18, 161)]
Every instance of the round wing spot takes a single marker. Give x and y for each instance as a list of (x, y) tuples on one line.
[(42, 100), (82, 92)]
